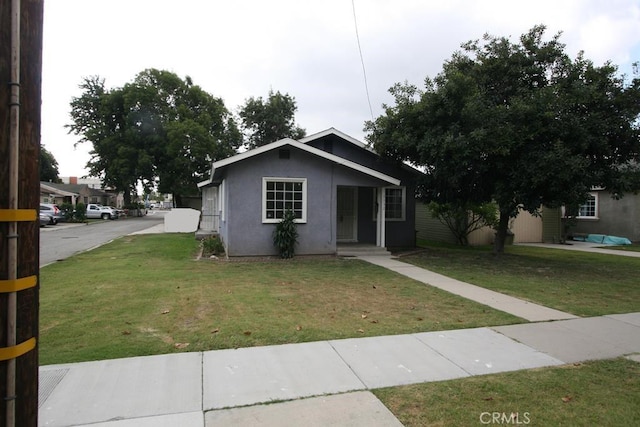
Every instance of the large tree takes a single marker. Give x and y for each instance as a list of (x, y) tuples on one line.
[(100, 117), (157, 130), (521, 124), (182, 129), (48, 166), (266, 121)]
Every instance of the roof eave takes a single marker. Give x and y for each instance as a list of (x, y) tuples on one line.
[(304, 147)]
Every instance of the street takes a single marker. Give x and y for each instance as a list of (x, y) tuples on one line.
[(58, 242)]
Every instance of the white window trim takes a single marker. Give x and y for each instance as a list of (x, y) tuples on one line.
[(404, 203), (596, 207), (266, 179)]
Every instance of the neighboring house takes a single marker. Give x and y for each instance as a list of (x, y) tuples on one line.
[(96, 183), (338, 188), (600, 214), (603, 214), (75, 193), (53, 195)]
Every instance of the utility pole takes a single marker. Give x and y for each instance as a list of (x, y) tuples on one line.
[(21, 23)]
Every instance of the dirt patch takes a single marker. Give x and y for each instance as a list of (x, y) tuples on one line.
[(156, 334)]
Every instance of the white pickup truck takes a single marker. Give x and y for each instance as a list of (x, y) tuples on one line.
[(95, 210)]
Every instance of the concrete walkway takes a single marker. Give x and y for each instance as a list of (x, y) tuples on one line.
[(324, 383), (527, 310), (585, 247)]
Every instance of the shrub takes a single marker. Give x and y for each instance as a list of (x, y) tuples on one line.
[(285, 235), (462, 220), (68, 211), (80, 214), (212, 246)]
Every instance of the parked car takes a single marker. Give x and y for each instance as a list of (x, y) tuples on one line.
[(53, 211), (45, 219), (95, 210)]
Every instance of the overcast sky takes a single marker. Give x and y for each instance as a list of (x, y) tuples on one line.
[(238, 49)]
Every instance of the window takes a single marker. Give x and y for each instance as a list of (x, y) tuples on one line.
[(590, 208), (282, 194), (395, 203)]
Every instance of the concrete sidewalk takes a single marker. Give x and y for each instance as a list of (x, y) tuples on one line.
[(321, 383)]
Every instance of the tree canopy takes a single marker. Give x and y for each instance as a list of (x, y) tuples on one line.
[(520, 124), (266, 121), (48, 166), (156, 130)]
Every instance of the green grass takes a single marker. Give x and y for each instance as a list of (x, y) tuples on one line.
[(147, 294), (601, 393), (585, 284), (629, 248)]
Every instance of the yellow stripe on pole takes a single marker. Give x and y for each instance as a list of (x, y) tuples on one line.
[(16, 285), (18, 215), (16, 351)]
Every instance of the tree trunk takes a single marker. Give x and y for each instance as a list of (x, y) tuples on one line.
[(177, 200), (501, 232), (126, 196)]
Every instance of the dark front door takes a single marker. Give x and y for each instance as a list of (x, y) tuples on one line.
[(347, 229)]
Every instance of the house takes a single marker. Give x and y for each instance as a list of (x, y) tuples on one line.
[(601, 214), (54, 195), (73, 193), (339, 189), (604, 214)]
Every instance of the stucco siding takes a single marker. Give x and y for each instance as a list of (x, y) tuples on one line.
[(244, 202), (615, 217)]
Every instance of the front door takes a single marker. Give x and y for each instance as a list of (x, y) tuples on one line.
[(347, 229)]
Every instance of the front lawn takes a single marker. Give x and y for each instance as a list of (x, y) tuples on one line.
[(585, 284), (600, 393), (146, 294)]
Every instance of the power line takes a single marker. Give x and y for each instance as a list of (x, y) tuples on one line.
[(364, 71)]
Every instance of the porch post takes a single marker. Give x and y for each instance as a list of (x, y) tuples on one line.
[(381, 217)]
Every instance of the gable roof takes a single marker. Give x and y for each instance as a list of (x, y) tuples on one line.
[(356, 143), (46, 186), (303, 147), (336, 132), (77, 189)]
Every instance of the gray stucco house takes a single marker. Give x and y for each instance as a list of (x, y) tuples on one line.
[(339, 189)]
